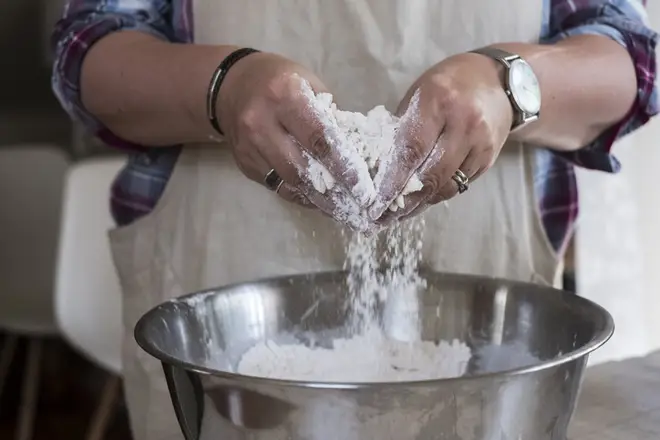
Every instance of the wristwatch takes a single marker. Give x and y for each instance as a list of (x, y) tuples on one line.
[(520, 84)]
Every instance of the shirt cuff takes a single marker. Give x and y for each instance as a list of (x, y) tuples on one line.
[(640, 43)]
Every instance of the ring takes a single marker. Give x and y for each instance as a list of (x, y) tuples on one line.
[(273, 181), (461, 180)]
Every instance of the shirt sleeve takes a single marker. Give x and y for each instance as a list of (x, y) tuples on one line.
[(626, 22), (84, 22)]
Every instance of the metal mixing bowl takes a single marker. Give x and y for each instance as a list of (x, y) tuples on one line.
[(530, 347)]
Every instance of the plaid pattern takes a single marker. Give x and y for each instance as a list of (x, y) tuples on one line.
[(140, 184)]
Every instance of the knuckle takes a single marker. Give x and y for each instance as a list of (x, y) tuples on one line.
[(441, 83), (319, 144), (448, 191), (277, 87), (476, 120), (249, 120), (296, 180), (293, 177), (299, 198), (283, 86), (414, 152), (488, 151), (447, 96), (432, 184), (450, 100)]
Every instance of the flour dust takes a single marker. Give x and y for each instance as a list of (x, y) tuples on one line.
[(383, 271)]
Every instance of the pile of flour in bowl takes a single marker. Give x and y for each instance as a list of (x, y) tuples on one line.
[(368, 357), (382, 271)]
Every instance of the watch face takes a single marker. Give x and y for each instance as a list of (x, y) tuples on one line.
[(524, 87)]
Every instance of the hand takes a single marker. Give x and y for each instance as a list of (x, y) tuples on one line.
[(266, 109), (457, 117)]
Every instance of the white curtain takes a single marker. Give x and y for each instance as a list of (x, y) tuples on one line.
[(618, 240)]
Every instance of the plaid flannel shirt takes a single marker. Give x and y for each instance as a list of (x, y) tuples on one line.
[(140, 184)]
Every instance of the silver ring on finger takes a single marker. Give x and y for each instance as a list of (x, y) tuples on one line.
[(273, 181), (461, 180)]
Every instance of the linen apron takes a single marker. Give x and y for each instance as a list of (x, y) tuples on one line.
[(213, 226)]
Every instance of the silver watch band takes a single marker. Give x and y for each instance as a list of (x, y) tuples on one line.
[(506, 58), (500, 55)]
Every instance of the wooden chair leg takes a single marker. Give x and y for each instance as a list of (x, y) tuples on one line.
[(30, 392), (105, 409), (6, 358)]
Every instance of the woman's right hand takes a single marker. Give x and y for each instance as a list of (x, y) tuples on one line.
[(265, 108)]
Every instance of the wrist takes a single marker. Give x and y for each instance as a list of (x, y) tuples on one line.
[(200, 66), (229, 68), (492, 78), (519, 82)]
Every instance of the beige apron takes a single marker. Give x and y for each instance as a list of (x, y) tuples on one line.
[(213, 226)]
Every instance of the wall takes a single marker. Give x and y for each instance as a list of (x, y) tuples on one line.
[(28, 110), (618, 240)]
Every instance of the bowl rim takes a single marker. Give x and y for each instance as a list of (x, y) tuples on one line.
[(600, 338)]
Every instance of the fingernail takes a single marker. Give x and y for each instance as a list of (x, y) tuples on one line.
[(364, 193), (376, 210)]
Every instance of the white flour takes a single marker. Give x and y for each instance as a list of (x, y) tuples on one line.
[(366, 358), (383, 272), (363, 141)]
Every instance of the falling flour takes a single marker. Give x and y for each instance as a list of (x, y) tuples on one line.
[(382, 272)]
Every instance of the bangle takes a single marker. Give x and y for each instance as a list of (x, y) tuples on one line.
[(216, 81)]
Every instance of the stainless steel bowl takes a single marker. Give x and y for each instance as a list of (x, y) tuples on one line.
[(199, 339)]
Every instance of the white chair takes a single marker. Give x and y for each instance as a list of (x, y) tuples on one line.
[(87, 293), (31, 180)]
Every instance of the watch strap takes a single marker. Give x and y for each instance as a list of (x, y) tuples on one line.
[(500, 55), (520, 118)]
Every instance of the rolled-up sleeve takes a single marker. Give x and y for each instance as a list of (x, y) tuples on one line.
[(84, 22), (626, 22)]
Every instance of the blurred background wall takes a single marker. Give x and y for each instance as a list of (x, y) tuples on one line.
[(28, 110), (618, 239), (67, 386)]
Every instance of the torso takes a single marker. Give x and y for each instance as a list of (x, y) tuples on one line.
[(212, 226), (139, 187)]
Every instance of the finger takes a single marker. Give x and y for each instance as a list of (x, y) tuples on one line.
[(415, 212), (472, 164), (294, 165), (437, 175), (310, 120), (281, 153), (294, 195), (252, 163), (448, 191), (472, 167), (414, 144), (390, 217)]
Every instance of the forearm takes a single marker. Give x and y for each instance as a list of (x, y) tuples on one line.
[(588, 84), (149, 91)]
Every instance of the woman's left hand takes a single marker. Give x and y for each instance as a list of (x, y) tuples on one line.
[(455, 119)]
